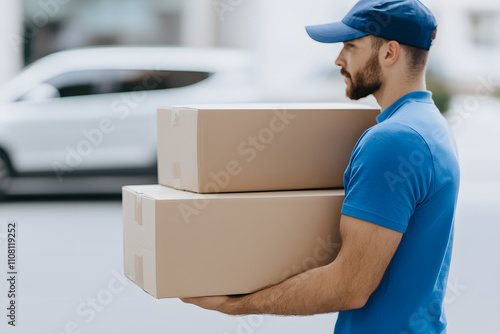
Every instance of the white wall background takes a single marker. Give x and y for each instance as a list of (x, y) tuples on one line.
[(274, 29)]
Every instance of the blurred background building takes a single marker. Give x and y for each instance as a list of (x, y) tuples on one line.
[(11, 18), (468, 44)]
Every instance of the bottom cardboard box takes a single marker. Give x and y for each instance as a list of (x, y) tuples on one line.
[(183, 244)]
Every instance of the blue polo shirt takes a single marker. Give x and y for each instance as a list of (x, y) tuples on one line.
[(404, 175)]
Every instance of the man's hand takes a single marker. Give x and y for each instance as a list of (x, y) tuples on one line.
[(210, 303), (224, 304)]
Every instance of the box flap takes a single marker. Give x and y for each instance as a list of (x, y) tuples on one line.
[(159, 192), (266, 106)]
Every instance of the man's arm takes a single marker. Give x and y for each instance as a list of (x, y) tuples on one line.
[(344, 284)]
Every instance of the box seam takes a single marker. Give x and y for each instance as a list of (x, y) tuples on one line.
[(200, 150)]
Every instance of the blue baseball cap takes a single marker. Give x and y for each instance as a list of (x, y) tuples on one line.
[(406, 21)]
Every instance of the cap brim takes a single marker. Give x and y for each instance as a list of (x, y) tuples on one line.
[(334, 32)]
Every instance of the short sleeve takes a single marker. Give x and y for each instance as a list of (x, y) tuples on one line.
[(389, 174)]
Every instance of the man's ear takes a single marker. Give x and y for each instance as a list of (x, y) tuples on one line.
[(391, 52)]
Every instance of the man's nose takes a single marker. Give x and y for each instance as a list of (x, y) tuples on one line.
[(340, 61)]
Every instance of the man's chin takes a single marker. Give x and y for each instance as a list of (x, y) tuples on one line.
[(355, 97), (348, 90), (350, 96), (358, 94)]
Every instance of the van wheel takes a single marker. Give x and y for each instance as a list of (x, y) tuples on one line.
[(5, 175)]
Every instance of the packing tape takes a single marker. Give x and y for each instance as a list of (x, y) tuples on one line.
[(176, 175), (139, 271), (176, 170), (138, 208), (175, 116)]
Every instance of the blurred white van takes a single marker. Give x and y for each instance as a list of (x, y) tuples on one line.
[(93, 111)]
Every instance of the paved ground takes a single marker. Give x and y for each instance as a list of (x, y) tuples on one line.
[(70, 260)]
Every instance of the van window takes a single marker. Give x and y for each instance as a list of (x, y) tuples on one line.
[(80, 83)]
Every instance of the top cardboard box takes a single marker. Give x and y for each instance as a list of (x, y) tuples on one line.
[(258, 147)]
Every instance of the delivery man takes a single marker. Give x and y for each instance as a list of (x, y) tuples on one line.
[(401, 188)]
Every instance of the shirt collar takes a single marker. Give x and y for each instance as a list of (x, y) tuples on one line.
[(417, 96)]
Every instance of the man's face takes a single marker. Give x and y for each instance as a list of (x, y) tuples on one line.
[(359, 64)]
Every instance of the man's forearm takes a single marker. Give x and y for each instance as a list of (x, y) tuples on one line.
[(345, 284), (311, 292)]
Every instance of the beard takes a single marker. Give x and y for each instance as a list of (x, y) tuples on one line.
[(366, 81)]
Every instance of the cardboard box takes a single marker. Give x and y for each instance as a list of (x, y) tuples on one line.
[(182, 244), (258, 147)]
